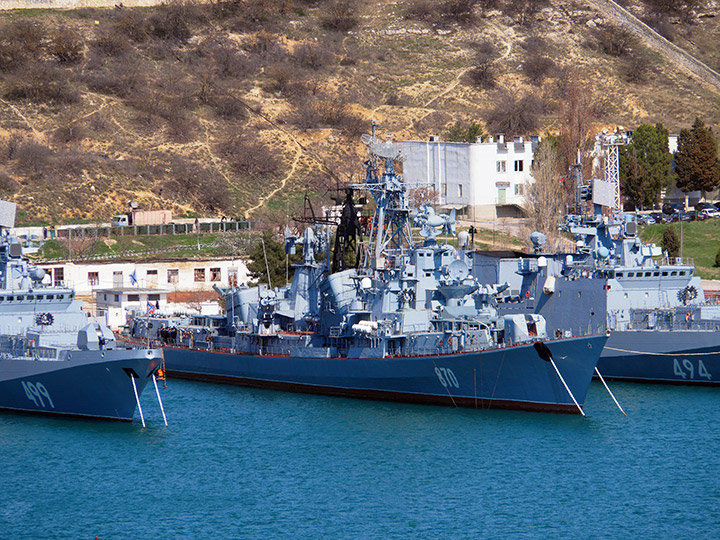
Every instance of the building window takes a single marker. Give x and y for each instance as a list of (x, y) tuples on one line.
[(233, 277), (133, 297), (94, 278), (518, 165), (173, 275), (459, 190), (152, 277), (117, 297), (155, 297), (59, 274), (519, 189), (500, 166), (117, 278), (214, 274), (199, 275)]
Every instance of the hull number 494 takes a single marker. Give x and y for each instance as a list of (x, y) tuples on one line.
[(687, 370)]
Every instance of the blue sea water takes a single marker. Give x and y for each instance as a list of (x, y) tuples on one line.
[(244, 463)]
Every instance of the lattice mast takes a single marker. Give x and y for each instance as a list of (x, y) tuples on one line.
[(609, 145)]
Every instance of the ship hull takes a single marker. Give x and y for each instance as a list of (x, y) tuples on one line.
[(93, 384), (510, 378), (690, 357)]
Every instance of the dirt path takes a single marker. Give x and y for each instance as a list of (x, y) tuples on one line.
[(283, 183)]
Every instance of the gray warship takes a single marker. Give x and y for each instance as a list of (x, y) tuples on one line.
[(408, 324), (53, 359), (662, 328)]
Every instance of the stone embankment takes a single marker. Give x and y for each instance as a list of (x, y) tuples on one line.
[(655, 41), (72, 4)]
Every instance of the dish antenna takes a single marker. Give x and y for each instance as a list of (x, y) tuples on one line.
[(386, 149)]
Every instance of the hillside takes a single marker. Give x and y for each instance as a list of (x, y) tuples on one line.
[(241, 108)]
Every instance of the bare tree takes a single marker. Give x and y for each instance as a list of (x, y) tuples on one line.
[(545, 198), (579, 113)]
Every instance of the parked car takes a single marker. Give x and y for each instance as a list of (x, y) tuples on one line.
[(683, 216), (703, 205), (660, 217), (671, 208), (707, 213), (646, 219)]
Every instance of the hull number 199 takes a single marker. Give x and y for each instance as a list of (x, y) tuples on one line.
[(686, 369)]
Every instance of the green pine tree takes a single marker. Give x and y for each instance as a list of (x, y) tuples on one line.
[(696, 159), (645, 165), (459, 133), (671, 242), (276, 260)]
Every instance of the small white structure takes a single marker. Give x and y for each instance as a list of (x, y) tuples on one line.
[(487, 179), (117, 303)]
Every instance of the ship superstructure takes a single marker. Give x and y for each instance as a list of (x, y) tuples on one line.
[(409, 324), (53, 358)]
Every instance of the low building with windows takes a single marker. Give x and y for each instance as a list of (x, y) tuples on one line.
[(483, 179), (135, 284)]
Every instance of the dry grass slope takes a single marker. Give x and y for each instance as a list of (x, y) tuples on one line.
[(239, 108)]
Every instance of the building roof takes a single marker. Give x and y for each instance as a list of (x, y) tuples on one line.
[(132, 290)]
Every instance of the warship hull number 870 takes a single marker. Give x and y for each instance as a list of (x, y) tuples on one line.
[(410, 323)]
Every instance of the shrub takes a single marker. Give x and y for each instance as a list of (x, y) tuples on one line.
[(19, 41), (130, 23), (32, 157), (341, 16), (189, 181), (41, 82), (8, 185), (537, 68), (70, 132), (514, 114), (285, 79), (461, 12), (312, 55), (421, 10), (111, 43), (228, 107), (447, 12), (121, 77), (66, 45), (637, 68), (614, 40), (172, 21), (248, 156), (483, 75)]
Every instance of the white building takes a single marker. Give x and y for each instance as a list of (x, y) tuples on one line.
[(182, 275), (486, 179), (113, 289)]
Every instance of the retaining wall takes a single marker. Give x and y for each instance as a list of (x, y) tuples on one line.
[(71, 4)]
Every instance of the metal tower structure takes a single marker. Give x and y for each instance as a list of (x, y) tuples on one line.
[(609, 144)]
